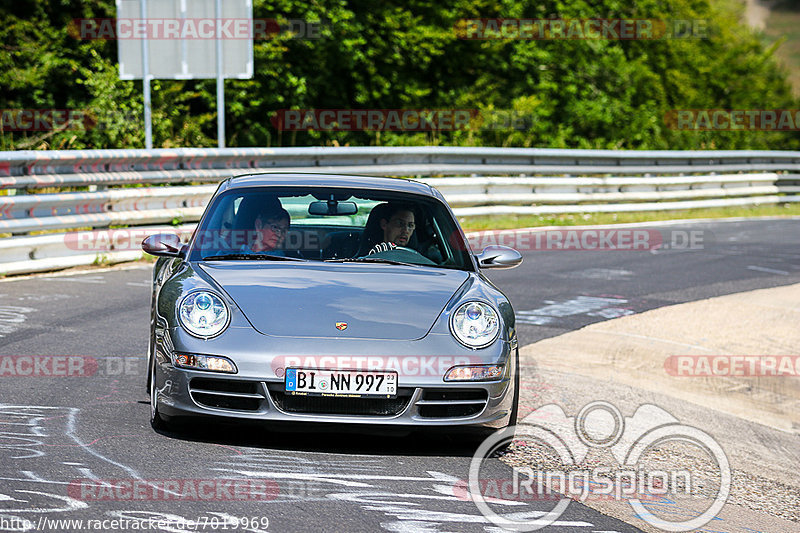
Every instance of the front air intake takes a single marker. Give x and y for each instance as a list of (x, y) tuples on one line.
[(232, 395), (451, 403)]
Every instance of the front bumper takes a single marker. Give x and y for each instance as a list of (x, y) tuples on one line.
[(422, 401)]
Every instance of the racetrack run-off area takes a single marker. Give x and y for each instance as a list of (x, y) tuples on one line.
[(60, 430)]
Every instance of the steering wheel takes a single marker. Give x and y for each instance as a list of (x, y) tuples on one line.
[(407, 250), (413, 255), (386, 246)]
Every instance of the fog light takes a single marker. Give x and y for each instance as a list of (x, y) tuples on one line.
[(474, 373), (213, 363)]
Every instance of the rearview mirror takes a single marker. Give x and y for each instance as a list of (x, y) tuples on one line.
[(499, 257), (163, 245), (332, 208)]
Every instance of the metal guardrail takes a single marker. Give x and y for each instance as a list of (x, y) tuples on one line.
[(123, 187)]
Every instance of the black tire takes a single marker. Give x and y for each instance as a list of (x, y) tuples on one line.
[(512, 420), (150, 359), (151, 348), (478, 436), (157, 421)]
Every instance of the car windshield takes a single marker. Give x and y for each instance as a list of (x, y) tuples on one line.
[(335, 225)]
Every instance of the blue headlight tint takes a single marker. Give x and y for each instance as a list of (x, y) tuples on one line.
[(203, 314), (475, 324)]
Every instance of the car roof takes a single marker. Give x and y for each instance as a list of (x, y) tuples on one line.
[(310, 179)]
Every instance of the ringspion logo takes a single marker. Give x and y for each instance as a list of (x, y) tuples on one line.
[(563, 443)]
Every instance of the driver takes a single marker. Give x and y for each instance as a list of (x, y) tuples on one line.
[(398, 225)]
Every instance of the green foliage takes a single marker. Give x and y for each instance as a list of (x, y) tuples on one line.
[(393, 55)]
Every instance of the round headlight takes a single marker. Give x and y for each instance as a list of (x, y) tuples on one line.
[(203, 314), (475, 324)]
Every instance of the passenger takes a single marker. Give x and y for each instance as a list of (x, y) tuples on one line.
[(271, 227)]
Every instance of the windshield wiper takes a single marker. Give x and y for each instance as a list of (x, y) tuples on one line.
[(370, 260), (245, 256)]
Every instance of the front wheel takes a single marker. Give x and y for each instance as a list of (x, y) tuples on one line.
[(156, 420), (512, 420), (482, 434)]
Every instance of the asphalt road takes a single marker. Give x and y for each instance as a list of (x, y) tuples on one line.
[(58, 432)]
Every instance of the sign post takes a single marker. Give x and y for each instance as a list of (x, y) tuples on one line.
[(148, 116), (176, 34), (220, 80)]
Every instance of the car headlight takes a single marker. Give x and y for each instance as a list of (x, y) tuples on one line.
[(475, 324), (203, 314)]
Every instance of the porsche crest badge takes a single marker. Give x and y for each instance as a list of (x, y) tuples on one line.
[(341, 326)]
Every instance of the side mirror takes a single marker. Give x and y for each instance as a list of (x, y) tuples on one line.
[(499, 257), (163, 245)]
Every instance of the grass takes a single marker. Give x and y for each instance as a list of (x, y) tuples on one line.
[(581, 219), (585, 219)]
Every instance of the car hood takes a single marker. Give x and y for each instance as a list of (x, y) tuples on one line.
[(391, 302)]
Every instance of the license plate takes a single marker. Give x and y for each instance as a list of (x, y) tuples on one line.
[(349, 383)]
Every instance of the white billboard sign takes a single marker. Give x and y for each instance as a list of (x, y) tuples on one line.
[(182, 38)]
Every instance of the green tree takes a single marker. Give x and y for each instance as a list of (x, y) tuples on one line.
[(391, 55)]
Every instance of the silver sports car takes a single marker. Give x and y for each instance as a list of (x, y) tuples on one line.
[(331, 299)]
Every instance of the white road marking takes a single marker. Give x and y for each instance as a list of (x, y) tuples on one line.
[(12, 317), (611, 312), (329, 478), (82, 273), (72, 504), (83, 279), (767, 270), (35, 415), (596, 273), (42, 297), (576, 306), (387, 503)]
